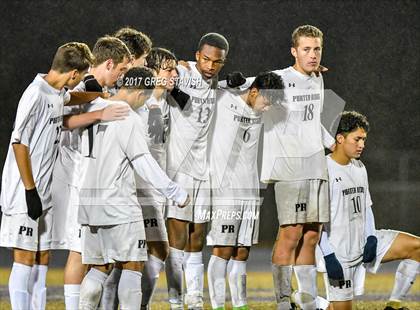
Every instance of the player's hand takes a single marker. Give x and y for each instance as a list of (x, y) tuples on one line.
[(369, 253), (320, 69), (33, 203), (235, 79), (186, 203), (184, 64), (334, 268), (115, 111)]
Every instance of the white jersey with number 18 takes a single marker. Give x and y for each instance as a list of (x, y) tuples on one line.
[(293, 142)]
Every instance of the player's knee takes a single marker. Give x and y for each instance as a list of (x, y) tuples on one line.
[(289, 241), (415, 253), (311, 239), (159, 249), (42, 258), (24, 257), (223, 252), (241, 254)]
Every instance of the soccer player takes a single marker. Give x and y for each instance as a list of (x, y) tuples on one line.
[(155, 118), (187, 163), (350, 243), (137, 42), (235, 185), (111, 59), (111, 217), (293, 158), (26, 182)]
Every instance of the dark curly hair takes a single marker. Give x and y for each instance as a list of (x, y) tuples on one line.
[(350, 121)]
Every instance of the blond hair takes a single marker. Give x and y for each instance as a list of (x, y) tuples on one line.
[(306, 31)]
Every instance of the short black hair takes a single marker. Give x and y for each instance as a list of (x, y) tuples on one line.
[(138, 78), (137, 42), (214, 39), (158, 56), (351, 121), (270, 85)]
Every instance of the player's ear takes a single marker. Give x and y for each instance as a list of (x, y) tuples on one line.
[(340, 138), (293, 51), (197, 55), (74, 74), (109, 64)]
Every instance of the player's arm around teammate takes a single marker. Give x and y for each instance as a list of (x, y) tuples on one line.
[(26, 223)]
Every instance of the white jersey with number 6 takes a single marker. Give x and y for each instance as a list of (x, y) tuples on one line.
[(234, 148), (349, 196), (187, 146), (38, 124)]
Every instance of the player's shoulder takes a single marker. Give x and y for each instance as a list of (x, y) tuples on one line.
[(359, 165), (284, 72)]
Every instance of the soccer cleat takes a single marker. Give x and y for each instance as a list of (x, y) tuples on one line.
[(394, 305), (244, 307)]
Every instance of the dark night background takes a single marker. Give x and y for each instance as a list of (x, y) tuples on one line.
[(371, 47)]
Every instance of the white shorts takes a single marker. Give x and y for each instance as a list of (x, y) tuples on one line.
[(235, 223), (154, 222), (115, 243), (21, 232), (198, 210), (353, 284), (304, 201), (66, 230), (385, 239)]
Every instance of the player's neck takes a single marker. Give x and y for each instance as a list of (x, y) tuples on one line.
[(56, 80), (300, 70), (158, 93), (340, 157), (244, 97), (97, 74)]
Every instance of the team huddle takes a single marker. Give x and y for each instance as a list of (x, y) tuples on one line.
[(132, 161)]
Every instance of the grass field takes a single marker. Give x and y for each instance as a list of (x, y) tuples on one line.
[(260, 291)]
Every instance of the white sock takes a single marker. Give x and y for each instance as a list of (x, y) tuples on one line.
[(18, 286), (194, 278), (91, 289), (404, 278), (71, 296), (37, 287), (109, 298), (152, 268), (306, 279), (216, 278), (282, 277), (237, 283), (174, 276), (129, 290)]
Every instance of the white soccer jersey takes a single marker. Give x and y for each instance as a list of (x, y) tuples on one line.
[(108, 189), (234, 148), (155, 121), (349, 198), (187, 145), (38, 125), (66, 167), (293, 135)]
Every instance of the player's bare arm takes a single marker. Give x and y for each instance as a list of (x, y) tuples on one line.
[(78, 98), (24, 164), (111, 113)]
